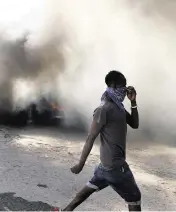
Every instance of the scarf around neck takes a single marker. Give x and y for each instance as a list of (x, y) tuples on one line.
[(117, 95)]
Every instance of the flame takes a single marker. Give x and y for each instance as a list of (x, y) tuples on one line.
[(55, 106)]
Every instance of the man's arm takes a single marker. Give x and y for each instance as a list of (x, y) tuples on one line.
[(133, 118), (99, 120), (94, 131)]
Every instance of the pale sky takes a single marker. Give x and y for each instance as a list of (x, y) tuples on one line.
[(20, 14)]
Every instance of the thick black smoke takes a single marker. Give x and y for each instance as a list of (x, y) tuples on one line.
[(80, 41), (20, 61)]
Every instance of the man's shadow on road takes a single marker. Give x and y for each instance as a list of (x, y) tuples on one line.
[(8, 202)]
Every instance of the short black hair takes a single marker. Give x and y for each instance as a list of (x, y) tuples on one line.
[(115, 78)]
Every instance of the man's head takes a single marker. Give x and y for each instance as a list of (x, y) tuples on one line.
[(115, 79)]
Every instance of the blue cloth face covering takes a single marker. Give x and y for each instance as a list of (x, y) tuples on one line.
[(117, 95)]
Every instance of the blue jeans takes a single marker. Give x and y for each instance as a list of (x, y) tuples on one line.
[(120, 179)]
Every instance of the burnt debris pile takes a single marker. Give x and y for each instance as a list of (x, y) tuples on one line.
[(30, 116)]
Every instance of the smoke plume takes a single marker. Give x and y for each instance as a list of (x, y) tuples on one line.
[(77, 42)]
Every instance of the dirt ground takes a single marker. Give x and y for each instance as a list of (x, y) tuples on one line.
[(35, 172)]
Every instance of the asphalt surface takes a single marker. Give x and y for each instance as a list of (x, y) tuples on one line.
[(9, 202), (35, 172)]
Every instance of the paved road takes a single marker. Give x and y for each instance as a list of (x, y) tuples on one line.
[(10, 202), (34, 173)]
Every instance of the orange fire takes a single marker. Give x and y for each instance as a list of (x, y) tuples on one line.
[(55, 106)]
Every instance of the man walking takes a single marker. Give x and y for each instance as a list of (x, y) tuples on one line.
[(110, 120)]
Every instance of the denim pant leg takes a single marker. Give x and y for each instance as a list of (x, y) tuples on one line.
[(122, 181), (98, 182)]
